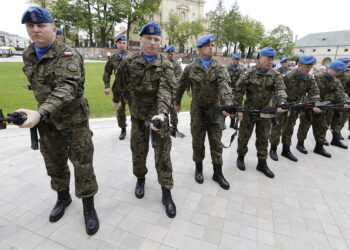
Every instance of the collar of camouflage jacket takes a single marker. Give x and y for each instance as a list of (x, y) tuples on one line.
[(51, 53)]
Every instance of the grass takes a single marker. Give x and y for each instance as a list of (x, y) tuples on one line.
[(13, 96)]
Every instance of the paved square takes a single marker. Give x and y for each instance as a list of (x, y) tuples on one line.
[(307, 205)]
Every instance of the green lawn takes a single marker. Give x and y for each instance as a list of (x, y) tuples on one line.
[(13, 96)]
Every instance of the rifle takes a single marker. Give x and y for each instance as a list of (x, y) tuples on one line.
[(165, 127), (337, 108), (19, 118)]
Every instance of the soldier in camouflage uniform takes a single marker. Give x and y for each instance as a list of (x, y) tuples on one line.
[(149, 78), (235, 70), (344, 77), (170, 54), (299, 83), (260, 84), (110, 68), (56, 75), (284, 66), (331, 90), (209, 83)]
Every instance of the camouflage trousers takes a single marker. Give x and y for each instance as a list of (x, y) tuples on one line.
[(339, 122), (214, 131), (262, 131), (161, 143), (319, 127), (173, 116), (284, 128), (121, 113), (75, 144)]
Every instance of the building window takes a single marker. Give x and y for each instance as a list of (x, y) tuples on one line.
[(328, 50), (314, 50), (346, 50)]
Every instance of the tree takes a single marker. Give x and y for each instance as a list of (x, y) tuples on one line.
[(229, 35), (281, 39), (180, 32), (216, 18)]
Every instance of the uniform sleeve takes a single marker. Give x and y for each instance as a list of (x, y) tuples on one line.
[(314, 91), (280, 94), (178, 71), (182, 86), (107, 73), (240, 89), (340, 93), (166, 89), (119, 85), (69, 73), (225, 91)]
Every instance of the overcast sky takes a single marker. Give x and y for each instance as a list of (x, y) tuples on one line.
[(302, 16)]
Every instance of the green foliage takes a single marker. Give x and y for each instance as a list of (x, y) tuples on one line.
[(180, 32), (13, 96), (281, 39)]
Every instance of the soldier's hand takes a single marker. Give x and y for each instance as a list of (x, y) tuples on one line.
[(346, 106), (280, 110), (225, 113), (189, 93), (157, 117), (316, 110), (116, 105), (107, 91), (33, 118), (240, 116), (177, 109)]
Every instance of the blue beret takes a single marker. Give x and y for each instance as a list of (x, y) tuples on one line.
[(170, 48), (37, 15), (236, 56), (344, 59), (120, 38), (307, 59), (284, 59), (59, 31), (268, 51), (205, 39), (152, 28), (338, 65)]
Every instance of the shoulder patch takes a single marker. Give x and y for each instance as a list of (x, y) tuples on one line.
[(72, 66), (68, 53)]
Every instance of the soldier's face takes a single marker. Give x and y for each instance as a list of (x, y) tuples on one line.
[(266, 62), (235, 62), (42, 34), (121, 45), (150, 44), (284, 64), (170, 55), (334, 73), (304, 68), (60, 37), (207, 50)]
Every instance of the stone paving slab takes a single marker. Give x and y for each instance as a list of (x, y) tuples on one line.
[(307, 205)]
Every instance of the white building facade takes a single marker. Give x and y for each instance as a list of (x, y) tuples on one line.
[(11, 40)]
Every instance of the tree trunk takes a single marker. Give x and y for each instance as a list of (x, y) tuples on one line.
[(103, 36)]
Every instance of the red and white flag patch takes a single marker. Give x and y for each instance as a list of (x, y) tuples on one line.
[(68, 53)]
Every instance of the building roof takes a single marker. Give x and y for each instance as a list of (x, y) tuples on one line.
[(325, 39)]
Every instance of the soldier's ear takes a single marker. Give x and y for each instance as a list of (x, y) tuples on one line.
[(54, 29)]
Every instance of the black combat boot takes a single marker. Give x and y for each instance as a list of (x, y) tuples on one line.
[(326, 143), (349, 137), (273, 153), (219, 177), (198, 173), (341, 137), (240, 163), (91, 220), (140, 188), (321, 151), (262, 167), (167, 200), (175, 128), (286, 153), (301, 148), (336, 141), (122, 134), (63, 201)]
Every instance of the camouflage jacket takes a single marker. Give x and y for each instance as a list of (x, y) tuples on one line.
[(297, 88), (150, 86), (209, 86), (234, 74), (331, 89), (111, 67), (259, 88), (57, 81), (345, 80), (177, 68)]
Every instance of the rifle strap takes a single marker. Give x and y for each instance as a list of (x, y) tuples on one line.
[(233, 136)]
